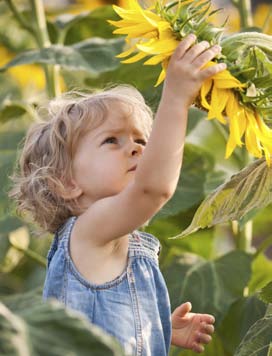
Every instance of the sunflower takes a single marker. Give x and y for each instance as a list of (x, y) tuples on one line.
[(154, 36), (154, 33), (220, 89)]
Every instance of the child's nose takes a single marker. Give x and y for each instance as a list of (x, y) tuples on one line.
[(136, 149)]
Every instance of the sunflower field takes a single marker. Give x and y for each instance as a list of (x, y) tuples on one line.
[(216, 231)]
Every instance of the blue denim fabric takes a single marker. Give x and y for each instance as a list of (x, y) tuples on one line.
[(134, 307)]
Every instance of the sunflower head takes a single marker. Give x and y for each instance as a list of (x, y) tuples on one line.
[(239, 96), (191, 16), (249, 58)]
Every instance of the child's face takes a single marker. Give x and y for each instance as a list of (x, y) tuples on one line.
[(105, 156)]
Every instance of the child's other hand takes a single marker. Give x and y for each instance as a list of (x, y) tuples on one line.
[(191, 330), (185, 73)]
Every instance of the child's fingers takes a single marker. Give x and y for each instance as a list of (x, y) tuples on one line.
[(207, 318), (206, 56), (195, 51), (207, 329), (212, 70), (185, 44), (198, 348), (203, 338), (183, 309)]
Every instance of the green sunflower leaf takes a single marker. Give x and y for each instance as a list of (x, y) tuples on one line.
[(248, 190)]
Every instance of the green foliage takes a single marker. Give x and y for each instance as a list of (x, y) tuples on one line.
[(250, 57), (207, 284), (198, 166), (266, 293), (30, 326), (95, 55), (11, 111), (243, 313), (261, 273), (244, 192), (257, 340)]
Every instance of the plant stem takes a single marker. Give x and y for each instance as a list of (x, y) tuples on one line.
[(243, 236), (40, 34), (267, 20), (32, 254), (51, 71), (263, 246), (244, 8), (39, 15)]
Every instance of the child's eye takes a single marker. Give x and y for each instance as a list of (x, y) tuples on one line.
[(141, 142), (110, 140)]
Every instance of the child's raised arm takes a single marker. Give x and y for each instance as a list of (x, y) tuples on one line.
[(158, 169)]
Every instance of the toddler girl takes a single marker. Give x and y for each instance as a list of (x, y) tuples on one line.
[(92, 175)]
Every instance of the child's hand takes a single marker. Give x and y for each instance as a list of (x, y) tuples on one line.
[(185, 73), (190, 330)]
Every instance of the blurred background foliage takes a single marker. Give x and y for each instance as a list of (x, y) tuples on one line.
[(220, 269)]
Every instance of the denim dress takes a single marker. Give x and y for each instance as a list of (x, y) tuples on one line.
[(134, 307)]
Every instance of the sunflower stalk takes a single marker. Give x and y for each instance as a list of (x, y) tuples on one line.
[(243, 236), (267, 19), (244, 8), (51, 71), (40, 34)]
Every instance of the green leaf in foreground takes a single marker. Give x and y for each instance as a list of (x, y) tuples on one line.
[(94, 55), (241, 316), (250, 189), (48, 329), (211, 286), (197, 166), (257, 340), (266, 293)]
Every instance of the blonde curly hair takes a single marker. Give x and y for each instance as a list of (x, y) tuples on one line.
[(45, 162)]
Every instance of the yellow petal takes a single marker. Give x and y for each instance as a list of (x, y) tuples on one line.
[(163, 72), (155, 60), (126, 53), (131, 4), (131, 20), (231, 144), (252, 142), (225, 79), (159, 47), (266, 131), (237, 118), (135, 58), (219, 98), (126, 13), (161, 77), (232, 141), (165, 30), (134, 31), (205, 88), (151, 17)]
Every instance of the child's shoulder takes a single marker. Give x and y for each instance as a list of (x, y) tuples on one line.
[(140, 242), (145, 242)]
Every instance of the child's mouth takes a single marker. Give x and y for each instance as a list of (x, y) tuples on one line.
[(132, 168)]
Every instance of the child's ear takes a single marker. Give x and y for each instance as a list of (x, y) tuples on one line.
[(71, 190)]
